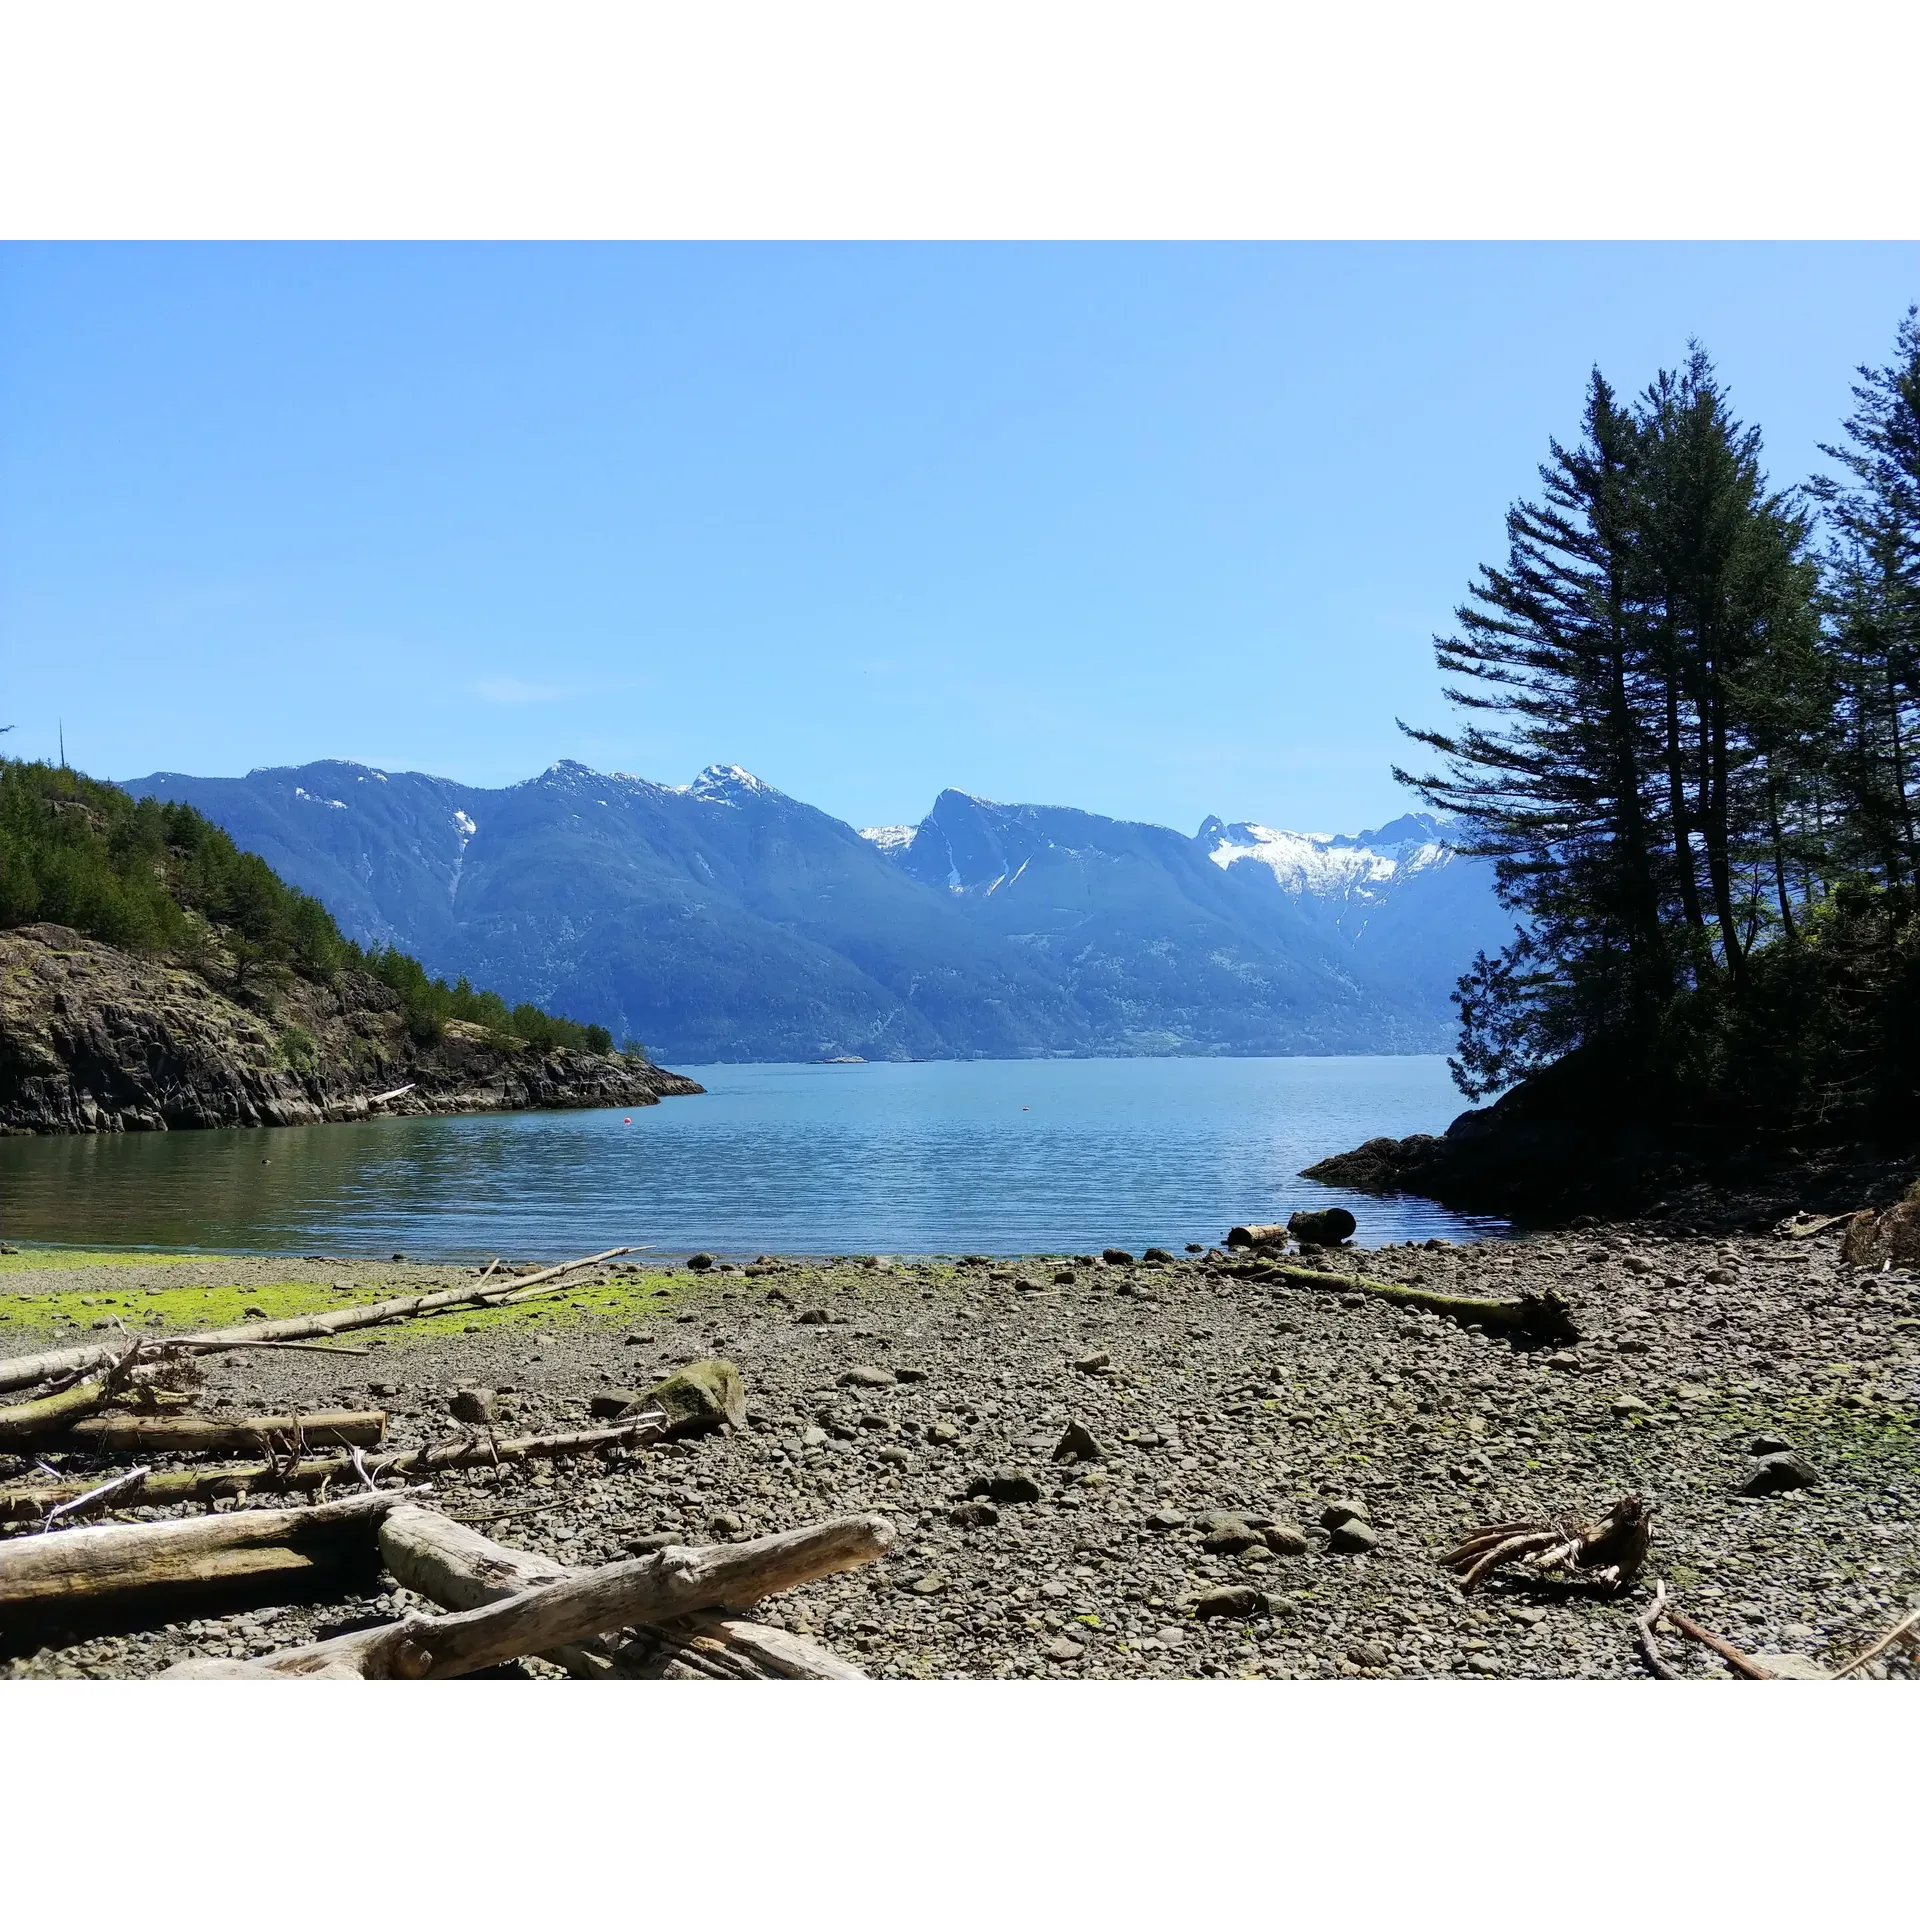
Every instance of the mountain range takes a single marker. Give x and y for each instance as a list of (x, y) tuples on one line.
[(724, 920)]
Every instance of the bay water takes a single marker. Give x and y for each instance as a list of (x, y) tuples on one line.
[(990, 1156)]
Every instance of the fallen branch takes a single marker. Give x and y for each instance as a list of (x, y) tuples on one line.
[(457, 1567), (191, 1341), (1794, 1228), (92, 1564), (99, 1496), (1545, 1317), (33, 1501), (26, 1427), (1747, 1669), (30, 1369), (1609, 1552), (1645, 1623), (666, 1585), (1898, 1631), (117, 1432)]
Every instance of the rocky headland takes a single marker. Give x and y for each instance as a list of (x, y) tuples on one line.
[(97, 1039), (1578, 1141)]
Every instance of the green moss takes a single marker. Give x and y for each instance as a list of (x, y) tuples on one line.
[(1879, 1439), (199, 1309)]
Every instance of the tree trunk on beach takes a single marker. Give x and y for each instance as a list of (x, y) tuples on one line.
[(577, 1607)]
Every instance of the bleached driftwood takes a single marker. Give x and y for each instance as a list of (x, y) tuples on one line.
[(209, 1554), (457, 1567), (714, 1646), (99, 1496), (30, 1369), (117, 1432), (1608, 1552), (29, 1424), (33, 1500), (666, 1585)]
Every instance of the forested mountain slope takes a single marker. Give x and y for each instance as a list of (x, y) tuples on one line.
[(726, 920)]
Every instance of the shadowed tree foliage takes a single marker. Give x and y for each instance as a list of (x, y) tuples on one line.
[(1687, 741)]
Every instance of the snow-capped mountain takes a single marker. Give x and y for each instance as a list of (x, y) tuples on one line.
[(1353, 873), (724, 919), (1329, 863)]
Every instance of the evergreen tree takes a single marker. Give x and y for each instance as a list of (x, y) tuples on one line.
[(1655, 725), (1871, 603)]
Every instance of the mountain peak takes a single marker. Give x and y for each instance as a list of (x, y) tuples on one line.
[(728, 785), (1331, 864)]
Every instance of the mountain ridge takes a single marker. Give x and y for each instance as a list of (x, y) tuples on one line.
[(724, 919)]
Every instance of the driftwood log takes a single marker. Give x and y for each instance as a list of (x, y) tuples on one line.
[(459, 1568), (34, 1500), (170, 1558), (1546, 1317), (580, 1607), (715, 1646), (117, 1432), (30, 1369), (30, 1425), (1273, 1234)]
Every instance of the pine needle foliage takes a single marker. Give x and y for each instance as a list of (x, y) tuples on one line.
[(1689, 742)]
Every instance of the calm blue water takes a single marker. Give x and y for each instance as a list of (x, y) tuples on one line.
[(992, 1156)]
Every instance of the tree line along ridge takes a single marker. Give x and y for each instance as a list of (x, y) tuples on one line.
[(159, 877)]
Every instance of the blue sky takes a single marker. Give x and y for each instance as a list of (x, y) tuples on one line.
[(1155, 530)]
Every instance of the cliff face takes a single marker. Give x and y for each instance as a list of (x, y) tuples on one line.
[(94, 1039)]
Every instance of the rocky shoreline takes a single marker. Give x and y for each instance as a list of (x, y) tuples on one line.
[(97, 1040), (1572, 1143), (1156, 1468)]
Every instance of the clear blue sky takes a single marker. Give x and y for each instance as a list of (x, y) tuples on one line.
[(1155, 530)]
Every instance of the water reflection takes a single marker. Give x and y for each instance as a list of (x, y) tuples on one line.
[(996, 1156)]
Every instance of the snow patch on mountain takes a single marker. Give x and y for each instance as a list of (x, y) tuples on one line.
[(1332, 865), (890, 839), (727, 786), (465, 827)]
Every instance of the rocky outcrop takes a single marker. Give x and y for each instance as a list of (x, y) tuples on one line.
[(1578, 1139), (95, 1039), (1887, 1239)]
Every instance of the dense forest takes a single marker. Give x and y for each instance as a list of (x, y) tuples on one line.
[(161, 878), (1690, 742)]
